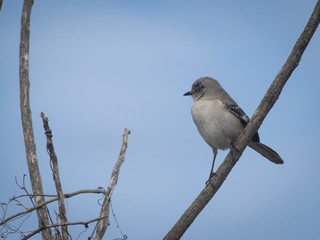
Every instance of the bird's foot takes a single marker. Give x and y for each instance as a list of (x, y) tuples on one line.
[(208, 181)]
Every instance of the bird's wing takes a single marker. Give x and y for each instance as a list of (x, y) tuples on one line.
[(239, 113)]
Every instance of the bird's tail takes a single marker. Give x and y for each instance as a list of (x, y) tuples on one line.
[(266, 152)]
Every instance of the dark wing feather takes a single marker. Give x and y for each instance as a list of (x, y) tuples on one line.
[(239, 113)]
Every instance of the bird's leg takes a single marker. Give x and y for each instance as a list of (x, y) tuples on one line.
[(211, 172), (233, 149), (215, 152)]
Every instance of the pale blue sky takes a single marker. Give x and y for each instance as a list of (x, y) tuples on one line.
[(97, 67)]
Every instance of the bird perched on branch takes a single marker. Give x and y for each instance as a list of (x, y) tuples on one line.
[(220, 120)]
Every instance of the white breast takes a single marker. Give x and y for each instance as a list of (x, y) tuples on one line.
[(215, 123)]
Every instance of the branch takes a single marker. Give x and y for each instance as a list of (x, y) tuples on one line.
[(102, 225), (55, 170), (67, 195), (85, 223), (266, 104), (26, 117)]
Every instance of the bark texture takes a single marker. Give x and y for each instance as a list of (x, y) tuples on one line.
[(30, 145)]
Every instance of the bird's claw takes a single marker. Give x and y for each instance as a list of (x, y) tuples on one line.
[(208, 181)]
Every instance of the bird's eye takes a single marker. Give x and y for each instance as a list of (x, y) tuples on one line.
[(198, 86)]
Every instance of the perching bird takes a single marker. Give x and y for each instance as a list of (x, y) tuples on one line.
[(220, 120)]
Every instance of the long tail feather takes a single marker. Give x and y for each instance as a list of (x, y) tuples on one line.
[(267, 152)]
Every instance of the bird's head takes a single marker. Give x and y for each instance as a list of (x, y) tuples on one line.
[(204, 86)]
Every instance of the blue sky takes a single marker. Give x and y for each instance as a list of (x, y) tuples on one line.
[(100, 66)]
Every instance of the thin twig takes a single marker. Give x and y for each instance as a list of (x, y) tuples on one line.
[(85, 223), (102, 225), (115, 219), (266, 104), (68, 195), (23, 187)]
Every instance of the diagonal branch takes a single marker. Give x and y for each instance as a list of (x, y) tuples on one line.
[(266, 104), (102, 224), (56, 177), (26, 117)]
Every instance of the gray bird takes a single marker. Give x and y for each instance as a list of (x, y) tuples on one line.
[(220, 120)]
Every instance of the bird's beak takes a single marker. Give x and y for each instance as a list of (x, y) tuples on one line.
[(188, 93)]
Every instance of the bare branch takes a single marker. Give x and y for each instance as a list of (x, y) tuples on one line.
[(85, 223), (26, 117), (1, 1), (266, 104), (23, 187), (102, 225), (67, 195), (55, 170)]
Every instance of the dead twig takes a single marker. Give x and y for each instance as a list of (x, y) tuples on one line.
[(68, 195), (102, 224), (85, 223), (56, 177)]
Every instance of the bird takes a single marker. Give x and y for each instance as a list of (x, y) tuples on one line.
[(220, 120)]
